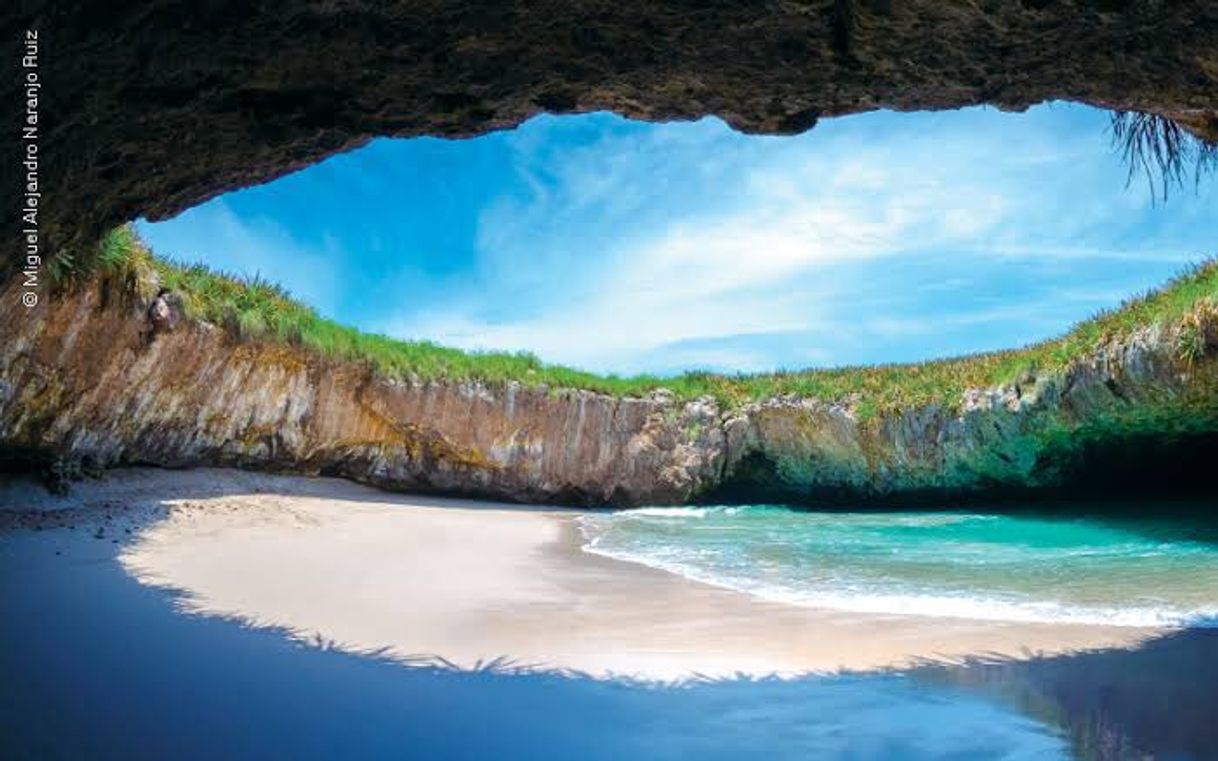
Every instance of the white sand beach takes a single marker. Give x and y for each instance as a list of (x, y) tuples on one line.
[(467, 583)]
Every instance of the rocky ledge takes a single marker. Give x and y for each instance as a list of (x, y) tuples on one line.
[(100, 377)]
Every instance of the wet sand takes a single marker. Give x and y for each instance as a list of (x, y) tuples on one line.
[(470, 583)]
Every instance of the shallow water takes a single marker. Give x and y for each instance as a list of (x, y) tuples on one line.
[(981, 566)]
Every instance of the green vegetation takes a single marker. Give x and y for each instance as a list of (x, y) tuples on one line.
[(1161, 150), (120, 250), (258, 310)]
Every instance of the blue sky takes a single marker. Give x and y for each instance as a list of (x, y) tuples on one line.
[(623, 246)]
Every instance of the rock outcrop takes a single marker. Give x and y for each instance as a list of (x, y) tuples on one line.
[(103, 377), (151, 107)]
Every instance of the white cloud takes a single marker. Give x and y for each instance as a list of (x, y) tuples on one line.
[(700, 274), (623, 248)]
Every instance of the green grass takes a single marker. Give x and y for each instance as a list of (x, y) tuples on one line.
[(1161, 150), (259, 310)]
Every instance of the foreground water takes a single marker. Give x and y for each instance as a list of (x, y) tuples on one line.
[(980, 566), (96, 665)]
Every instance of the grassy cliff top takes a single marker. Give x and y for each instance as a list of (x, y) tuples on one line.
[(259, 310)]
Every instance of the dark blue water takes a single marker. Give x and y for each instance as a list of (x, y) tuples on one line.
[(93, 665)]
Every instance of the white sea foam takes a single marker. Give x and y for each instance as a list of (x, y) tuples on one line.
[(668, 512), (879, 598)]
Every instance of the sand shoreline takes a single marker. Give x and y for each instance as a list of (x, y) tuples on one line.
[(466, 583)]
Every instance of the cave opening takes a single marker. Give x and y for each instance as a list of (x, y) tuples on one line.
[(890, 307), (633, 378), (628, 248)]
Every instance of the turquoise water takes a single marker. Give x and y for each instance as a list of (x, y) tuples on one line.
[(979, 566)]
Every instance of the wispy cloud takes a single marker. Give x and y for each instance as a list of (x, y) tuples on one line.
[(617, 246), (774, 245)]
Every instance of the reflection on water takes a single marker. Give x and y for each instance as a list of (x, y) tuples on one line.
[(96, 666), (1160, 699)]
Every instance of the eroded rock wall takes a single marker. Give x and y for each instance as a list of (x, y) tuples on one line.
[(1026, 437), (88, 376), (91, 375)]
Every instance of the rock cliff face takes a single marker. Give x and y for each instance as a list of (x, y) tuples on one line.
[(101, 377), (148, 108), (1011, 440), (92, 377)]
